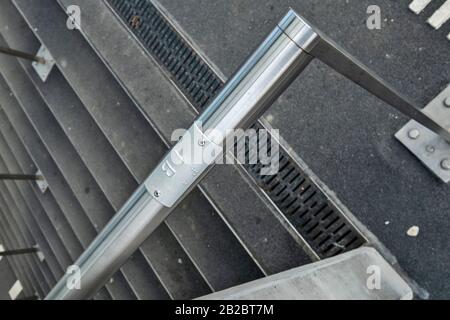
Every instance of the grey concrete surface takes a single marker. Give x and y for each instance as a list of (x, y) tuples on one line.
[(345, 135), (361, 274)]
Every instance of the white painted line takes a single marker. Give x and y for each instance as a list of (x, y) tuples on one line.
[(417, 6), (448, 37), (16, 290), (440, 16), (1, 250)]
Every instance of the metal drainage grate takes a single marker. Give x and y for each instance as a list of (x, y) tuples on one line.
[(192, 75), (308, 209)]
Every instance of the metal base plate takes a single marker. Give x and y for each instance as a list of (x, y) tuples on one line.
[(43, 70), (42, 184), (431, 149)]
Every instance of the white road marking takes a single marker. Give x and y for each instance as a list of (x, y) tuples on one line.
[(440, 16), (15, 290), (417, 6), (1, 250)]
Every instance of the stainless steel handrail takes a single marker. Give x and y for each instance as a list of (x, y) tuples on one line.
[(266, 74), (283, 55)]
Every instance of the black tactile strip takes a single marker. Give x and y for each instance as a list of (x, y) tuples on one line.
[(307, 208)]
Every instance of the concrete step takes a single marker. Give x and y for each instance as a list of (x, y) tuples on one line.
[(19, 161), (68, 206), (31, 228), (22, 238), (7, 277), (361, 274), (16, 265)]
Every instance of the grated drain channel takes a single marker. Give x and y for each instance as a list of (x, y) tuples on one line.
[(301, 201)]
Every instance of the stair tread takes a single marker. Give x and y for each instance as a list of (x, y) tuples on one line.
[(30, 225), (17, 263), (15, 241), (55, 253), (70, 208)]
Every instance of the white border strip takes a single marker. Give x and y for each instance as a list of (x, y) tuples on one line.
[(440, 16), (417, 6)]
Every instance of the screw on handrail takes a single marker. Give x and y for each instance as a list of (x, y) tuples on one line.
[(23, 55)]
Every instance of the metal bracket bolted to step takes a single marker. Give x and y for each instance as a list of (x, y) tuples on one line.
[(41, 183), (431, 149), (41, 256), (44, 69)]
